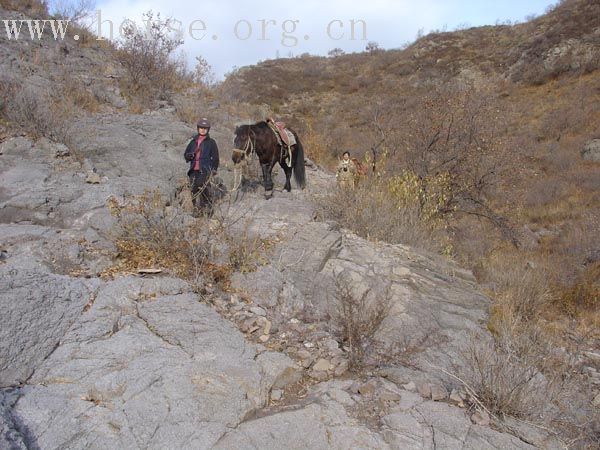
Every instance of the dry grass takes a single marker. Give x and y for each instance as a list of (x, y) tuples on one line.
[(507, 383), (247, 253), (35, 110), (544, 192), (42, 112), (582, 298), (524, 377), (191, 104), (316, 146), (153, 232), (372, 211), (38, 8), (521, 293), (76, 95)]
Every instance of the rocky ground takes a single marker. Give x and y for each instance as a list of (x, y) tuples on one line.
[(147, 361)]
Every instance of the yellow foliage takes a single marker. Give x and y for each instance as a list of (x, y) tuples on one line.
[(430, 195)]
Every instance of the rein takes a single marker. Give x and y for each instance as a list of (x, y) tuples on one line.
[(244, 151)]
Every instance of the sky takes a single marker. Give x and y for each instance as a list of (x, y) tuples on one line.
[(237, 33)]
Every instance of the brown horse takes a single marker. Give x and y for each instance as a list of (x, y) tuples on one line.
[(260, 139)]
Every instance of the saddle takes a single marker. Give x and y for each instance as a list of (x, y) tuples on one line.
[(285, 138)]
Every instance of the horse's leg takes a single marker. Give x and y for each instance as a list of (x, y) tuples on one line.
[(288, 176), (266, 169)]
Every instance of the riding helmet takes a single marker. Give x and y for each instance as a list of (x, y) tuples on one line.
[(203, 123)]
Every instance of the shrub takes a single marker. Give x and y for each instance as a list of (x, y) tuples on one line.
[(583, 297), (33, 109), (315, 145), (192, 103), (151, 233), (447, 137), (524, 377), (246, 253), (336, 52), (75, 93), (428, 195), (385, 210), (356, 318), (148, 58), (506, 381), (74, 10), (204, 74), (372, 47)]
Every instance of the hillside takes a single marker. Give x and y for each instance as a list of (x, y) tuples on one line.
[(564, 41), (131, 321), (526, 95)]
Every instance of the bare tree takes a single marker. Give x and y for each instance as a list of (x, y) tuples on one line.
[(148, 55), (204, 73), (334, 53), (74, 10), (372, 47)]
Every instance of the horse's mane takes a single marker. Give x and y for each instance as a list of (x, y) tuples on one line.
[(261, 124), (246, 127)]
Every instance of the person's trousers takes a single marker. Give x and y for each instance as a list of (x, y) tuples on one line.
[(201, 192)]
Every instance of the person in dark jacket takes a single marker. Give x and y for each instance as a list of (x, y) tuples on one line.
[(203, 155)]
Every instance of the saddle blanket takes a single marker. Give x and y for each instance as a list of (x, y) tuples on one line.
[(291, 139)]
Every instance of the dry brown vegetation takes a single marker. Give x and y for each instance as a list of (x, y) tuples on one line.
[(488, 124), (153, 234), (37, 7), (516, 190), (153, 231), (44, 111), (525, 379), (152, 68), (375, 211), (26, 108), (356, 318)]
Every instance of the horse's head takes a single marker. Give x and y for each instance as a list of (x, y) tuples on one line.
[(242, 143)]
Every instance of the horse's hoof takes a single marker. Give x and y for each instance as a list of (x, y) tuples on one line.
[(268, 194)]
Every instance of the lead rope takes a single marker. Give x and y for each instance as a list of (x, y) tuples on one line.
[(237, 172)]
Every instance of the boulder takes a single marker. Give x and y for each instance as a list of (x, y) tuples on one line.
[(591, 151), (322, 365), (38, 306)]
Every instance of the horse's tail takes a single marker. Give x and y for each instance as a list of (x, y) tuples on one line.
[(299, 170)]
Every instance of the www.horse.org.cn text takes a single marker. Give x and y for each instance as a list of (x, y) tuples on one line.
[(289, 32)]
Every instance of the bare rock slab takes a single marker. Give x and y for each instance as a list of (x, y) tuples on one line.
[(147, 366)]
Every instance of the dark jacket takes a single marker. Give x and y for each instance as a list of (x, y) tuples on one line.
[(209, 154)]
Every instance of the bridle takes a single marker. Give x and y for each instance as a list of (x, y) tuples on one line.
[(249, 145)]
